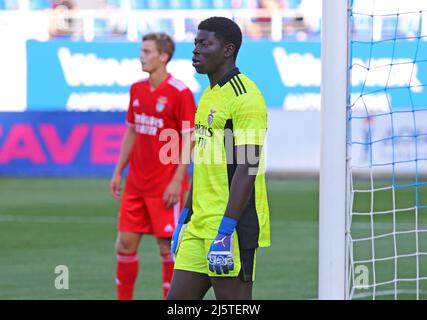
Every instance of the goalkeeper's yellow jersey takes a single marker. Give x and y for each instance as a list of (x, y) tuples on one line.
[(235, 105)]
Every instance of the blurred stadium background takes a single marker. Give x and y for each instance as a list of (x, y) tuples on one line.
[(66, 67)]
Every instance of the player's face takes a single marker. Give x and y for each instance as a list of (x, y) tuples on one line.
[(208, 53), (150, 57)]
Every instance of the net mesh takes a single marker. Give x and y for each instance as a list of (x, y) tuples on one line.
[(387, 149)]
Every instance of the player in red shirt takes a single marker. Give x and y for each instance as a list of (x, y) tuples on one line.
[(157, 146)]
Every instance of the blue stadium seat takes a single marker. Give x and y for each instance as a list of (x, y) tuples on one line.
[(150, 4), (40, 4), (180, 4), (101, 26), (158, 4), (11, 4), (294, 4), (163, 25), (241, 4), (114, 3), (221, 4), (2, 5), (389, 30), (201, 4), (139, 4)]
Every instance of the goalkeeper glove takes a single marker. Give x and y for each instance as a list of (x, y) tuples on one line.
[(179, 231), (220, 255)]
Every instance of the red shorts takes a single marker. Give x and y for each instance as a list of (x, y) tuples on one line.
[(148, 215)]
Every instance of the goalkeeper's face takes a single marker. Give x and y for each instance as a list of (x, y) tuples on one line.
[(208, 53)]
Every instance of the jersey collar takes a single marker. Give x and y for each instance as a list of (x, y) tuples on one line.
[(161, 85), (230, 74)]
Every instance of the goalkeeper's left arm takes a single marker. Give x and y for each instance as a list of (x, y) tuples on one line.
[(220, 255)]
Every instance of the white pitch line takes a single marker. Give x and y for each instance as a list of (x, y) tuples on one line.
[(367, 225), (57, 219), (384, 293), (112, 220)]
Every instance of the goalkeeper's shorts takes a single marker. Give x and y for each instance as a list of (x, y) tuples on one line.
[(192, 256)]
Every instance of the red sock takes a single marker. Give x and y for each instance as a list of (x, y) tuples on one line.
[(126, 274), (167, 263)]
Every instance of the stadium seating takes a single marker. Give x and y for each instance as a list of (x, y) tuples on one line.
[(30, 5), (294, 4), (242, 4), (221, 4), (180, 4), (114, 3), (158, 4), (39, 4), (151, 4), (139, 4), (9, 4), (115, 25), (201, 4)]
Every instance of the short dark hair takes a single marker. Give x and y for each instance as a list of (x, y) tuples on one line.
[(164, 42), (225, 29)]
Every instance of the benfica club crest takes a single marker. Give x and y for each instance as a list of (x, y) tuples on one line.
[(161, 104), (211, 117)]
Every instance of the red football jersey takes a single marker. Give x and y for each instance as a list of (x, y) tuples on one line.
[(156, 149)]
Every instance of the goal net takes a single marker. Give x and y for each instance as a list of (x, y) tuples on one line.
[(386, 223)]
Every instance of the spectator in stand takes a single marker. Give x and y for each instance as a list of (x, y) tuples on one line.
[(260, 26), (62, 24)]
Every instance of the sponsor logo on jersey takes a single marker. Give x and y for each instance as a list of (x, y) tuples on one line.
[(211, 117), (161, 104), (168, 228), (203, 130), (146, 124)]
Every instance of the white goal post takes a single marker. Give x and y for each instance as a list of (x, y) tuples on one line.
[(333, 181), (373, 161)]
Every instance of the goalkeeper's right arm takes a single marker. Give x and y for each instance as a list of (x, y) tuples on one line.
[(184, 218), (125, 152)]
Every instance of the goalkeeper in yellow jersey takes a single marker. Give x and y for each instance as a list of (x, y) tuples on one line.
[(226, 216)]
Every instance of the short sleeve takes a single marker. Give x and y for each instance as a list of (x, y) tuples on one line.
[(249, 116), (130, 117), (186, 111)]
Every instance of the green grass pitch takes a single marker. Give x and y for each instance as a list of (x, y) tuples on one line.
[(46, 222)]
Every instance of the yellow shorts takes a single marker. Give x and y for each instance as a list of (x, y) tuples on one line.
[(193, 251)]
